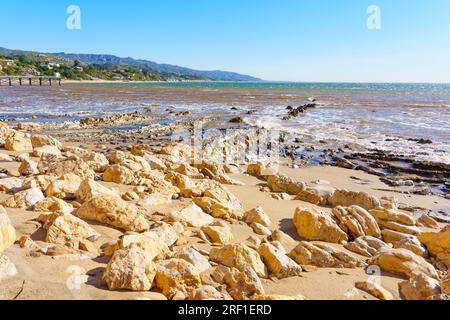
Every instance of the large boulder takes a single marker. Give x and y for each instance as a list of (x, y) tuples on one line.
[(403, 262), (420, 287), (177, 277), (319, 255), (7, 231), (349, 198), (284, 184), (239, 256), (24, 199), (278, 262), (438, 244), (115, 212), (357, 222), (130, 269), (314, 225)]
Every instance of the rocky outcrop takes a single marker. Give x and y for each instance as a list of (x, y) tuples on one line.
[(115, 212), (319, 255), (357, 222), (241, 284), (403, 262), (314, 225)]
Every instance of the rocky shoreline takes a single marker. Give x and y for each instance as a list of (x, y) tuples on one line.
[(145, 217)]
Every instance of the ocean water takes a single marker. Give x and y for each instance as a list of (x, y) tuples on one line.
[(389, 117)]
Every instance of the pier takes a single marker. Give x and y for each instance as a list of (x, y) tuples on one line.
[(29, 80)]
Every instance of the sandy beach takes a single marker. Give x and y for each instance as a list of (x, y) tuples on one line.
[(86, 208)]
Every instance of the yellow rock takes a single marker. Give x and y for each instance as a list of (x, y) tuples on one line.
[(218, 234), (89, 188), (349, 198), (278, 262), (18, 141), (24, 199), (177, 276), (375, 289), (284, 184), (357, 221), (62, 228), (403, 262), (65, 187), (115, 212), (119, 174), (257, 215), (52, 204), (314, 225), (130, 269), (193, 216), (438, 244), (153, 246), (420, 287), (239, 256)]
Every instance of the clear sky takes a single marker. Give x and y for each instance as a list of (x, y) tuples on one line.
[(292, 40)]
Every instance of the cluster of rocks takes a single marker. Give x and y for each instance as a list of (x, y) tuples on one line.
[(375, 228), (68, 188)]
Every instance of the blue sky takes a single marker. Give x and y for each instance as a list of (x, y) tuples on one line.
[(292, 40)]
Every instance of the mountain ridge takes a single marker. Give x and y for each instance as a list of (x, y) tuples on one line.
[(113, 63)]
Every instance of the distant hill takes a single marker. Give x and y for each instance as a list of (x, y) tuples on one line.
[(110, 67)]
